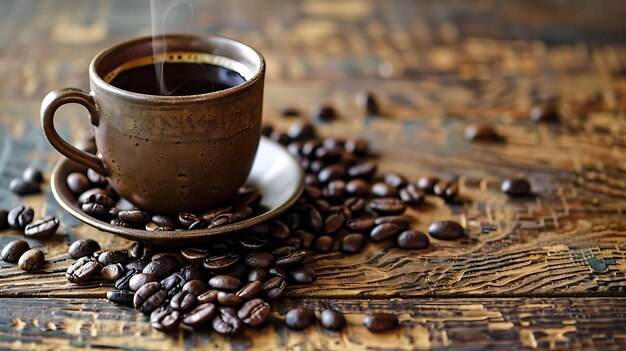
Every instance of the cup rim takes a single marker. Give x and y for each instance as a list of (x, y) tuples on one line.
[(139, 97)]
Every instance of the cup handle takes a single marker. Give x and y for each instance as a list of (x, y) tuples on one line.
[(49, 106)]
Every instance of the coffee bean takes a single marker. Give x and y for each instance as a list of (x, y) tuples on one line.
[(229, 299), (388, 206), (384, 231), (333, 223), (254, 312), (220, 263), (259, 259), (481, 132), (447, 190), (312, 192), (273, 287), (395, 180), (95, 178), (353, 243), (299, 318), (256, 274), (324, 113), (14, 250), (332, 172), (196, 287), (23, 187), (250, 291), (152, 226), (357, 187), (123, 283), (121, 297), (226, 321), (332, 319), (289, 112), (113, 271), (32, 174), (383, 190), (253, 242), (324, 243), (280, 137), (162, 266), (278, 272), (403, 222), (279, 230), (224, 282), (412, 240), (4, 222), (547, 111), (133, 216), (194, 255), (321, 205), (208, 296), (141, 279), (112, 256), (183, 301), (360, 224), (166, 320), (94, 209), (445, 230), (223, 219), (301, 131), (77, 182), (357, 146), (308, 148), (149, 297), (84, 197), (20, 217), (363, 170), (427, 184), (83, 270), (313, 219), (267, 130), (42, 228), (412, 195), (291, 260), (304, 275), (83, 247), (306, 237), (164, 221), (31, 260), (200, 315), (102, 199), (380, 322), (293, 220), (516, 187), (120, 223), (186, 219), (369, 102), (334, 190), (137, 265)]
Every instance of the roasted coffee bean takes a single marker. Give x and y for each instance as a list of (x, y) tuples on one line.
[(113, 271), (254, 312), (321, 205), (312, 192), (102, 199), (395, 180), (516, 187), (357, 146), (412, 195), (380, 322), (14, 250), (95, 178), (112, 256), (113, 212), (183, 301), (83, 270), (199, 224), (445, 230), (267, 130), (220, 263), (141, 279), (256, 274), (223, 219), (333, 223), (196, 287), (133, 216), (186, 219), (324, 243), (332, 319), (84, 197), (547, 111), (164, 221), (194, 255), (412, 240), (95, 210), (166, 320), (332, 172), (20, 217), (301, 131), (225, 282), (123, 283), (328, 155), (253, 242), (120, 223), (279, 230), (384, 231), (308, 148), (250, 291), (427, 184), (138, 249), (324, 113), (226, 321), (83, 247), (238, 271), (481, 132), (334, 190), (273, 287), (353, 243), (363, 170), (23, 187), (369, 102), (299, 318), (194, 271), (162, 267), (4, 221), (121, 297), (31, 260), (313, 219), (446, 190), (277, 271), (200, 315), (289, 112), (284, 250), (208, 296), (77, 182), (229, 299), (357, 187), (381, 189), (32, 174), (401, 221), (304, 275), (388, 206), (137, 265), (360, 224), (280, 137), (356, 205), (259, 259), (293, 259), (149, 297), (154, 227), (306, 238)]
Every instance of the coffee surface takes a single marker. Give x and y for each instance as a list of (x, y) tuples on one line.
[(179, 79)]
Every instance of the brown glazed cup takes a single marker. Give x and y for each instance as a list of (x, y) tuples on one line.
[(169, 153)]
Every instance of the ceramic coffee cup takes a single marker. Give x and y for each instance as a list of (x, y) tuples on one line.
[(169, 153)]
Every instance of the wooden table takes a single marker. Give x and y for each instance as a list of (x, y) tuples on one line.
[(540, 273)]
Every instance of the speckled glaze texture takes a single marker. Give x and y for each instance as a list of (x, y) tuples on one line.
[(174, 153)]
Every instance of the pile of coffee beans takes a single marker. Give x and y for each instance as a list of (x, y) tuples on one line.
[(30, 183)]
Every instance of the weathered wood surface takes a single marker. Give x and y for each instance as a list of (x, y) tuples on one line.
[(437, 66), (425, 324)]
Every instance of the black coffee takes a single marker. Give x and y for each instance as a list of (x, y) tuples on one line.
[(179, 79)]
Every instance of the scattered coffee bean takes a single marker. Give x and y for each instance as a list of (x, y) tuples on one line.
[(123, 283), (121, 297), (95, 209), (83, 247), (77, 182), (290, 112), (332, 319), (273, 287), (324, 243), (303, 276), (427, 184), (353, 243), (4, 222), (112, 256), (363, 170), (333, 223), (133, 216), (31, 260), (360, 224), (547, 111), (388, 206), (164, 221), (225, 282), (324, 113), (20, 217), (226, 321), (445, 230), (516, 187), (23, 187), (357, 187), (166, 320), (14, 250), (357, 146), (256, 274), (412, 195), (186, 219), (299, 318), (220, 263), (200, 315), (380, 322), (84, 197), (162, 267), (384, 231), (291, 260), (301, 131), (113, 271), (196, 287), (32, 174), (229, 299), (83, 270), (412, 240), (481, 132), (141, 279), (250, 291), (259, 259), (369, 102), (149, 297), (183, 301), (42, 228), (254, 312), (194, 255), (208, 296), (446, 190)]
